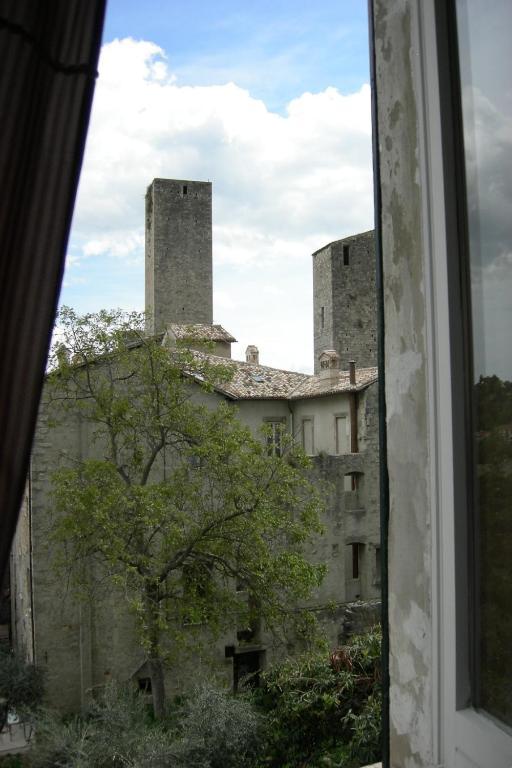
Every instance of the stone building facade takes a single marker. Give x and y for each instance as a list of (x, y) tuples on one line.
[(332, 413)]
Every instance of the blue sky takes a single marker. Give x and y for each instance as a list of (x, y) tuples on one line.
[(268, 100), (277, 49)]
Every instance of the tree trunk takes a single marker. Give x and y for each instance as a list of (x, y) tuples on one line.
[(156, 673), (155, 666)]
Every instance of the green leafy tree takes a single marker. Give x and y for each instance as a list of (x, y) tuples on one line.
[(177, 501)]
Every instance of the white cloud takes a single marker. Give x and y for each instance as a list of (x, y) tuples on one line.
[(117, 243), (283, 185)]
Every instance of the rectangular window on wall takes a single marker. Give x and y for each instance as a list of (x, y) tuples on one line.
[(275, 429), (307, 436), (342, 435), (356, 560)]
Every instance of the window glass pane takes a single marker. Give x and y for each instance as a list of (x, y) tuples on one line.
[(486, 63)]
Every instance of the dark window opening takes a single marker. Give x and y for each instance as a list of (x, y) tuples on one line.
[(346, 255), (355, 561), (185, 189), (246, 670), (144, 684), (245, 635), (322, 317)]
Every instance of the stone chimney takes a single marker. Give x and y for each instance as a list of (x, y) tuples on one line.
[(252, 355), (329, 364), (352, 372)]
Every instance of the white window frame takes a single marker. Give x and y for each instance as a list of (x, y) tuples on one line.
[(277, 426), (463, 737)]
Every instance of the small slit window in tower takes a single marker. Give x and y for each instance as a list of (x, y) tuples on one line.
[(346, 255), (185, 189), (322, 317), (355, 561)]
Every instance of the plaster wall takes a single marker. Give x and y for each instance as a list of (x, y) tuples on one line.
[(255, 413), (323, 412), (410, 550)]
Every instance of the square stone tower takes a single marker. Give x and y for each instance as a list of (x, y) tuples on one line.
[(345, 301), (178, 253)]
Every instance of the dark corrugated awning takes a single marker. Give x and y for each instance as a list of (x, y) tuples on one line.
[(48, 57)]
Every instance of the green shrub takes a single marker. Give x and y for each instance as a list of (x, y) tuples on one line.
[(218, 730), (212, 729), (21, 685), (324, 710), (365, 745), (116, 731)]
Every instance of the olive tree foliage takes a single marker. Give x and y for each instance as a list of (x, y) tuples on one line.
[(176, 501), (211, 729)]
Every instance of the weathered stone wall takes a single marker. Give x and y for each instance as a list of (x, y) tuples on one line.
[(178, 253), (349, 619), (344, 301), (58, 635), (368, 428), (352, 515), (83, 644)]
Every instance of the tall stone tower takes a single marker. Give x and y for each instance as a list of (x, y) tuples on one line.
[(345, 300), (178, 253)]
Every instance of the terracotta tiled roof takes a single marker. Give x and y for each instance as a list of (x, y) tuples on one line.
[(200, 332), (260, 382), (315, 385)]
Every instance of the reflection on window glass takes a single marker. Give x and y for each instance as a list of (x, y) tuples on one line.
[(485, 61)]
